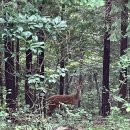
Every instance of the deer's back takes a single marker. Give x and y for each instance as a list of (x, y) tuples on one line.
[(56, 99)]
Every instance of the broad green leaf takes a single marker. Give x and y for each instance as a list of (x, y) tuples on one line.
[(20, 29), (128, 109), (57, 20), (26, 34), (32, 18), (2, 20)]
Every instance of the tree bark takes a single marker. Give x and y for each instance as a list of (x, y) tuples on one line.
[(28, 96), (62, 62), (106, 61), (17, 68), (9, 73), (1, 75), (123, 47)]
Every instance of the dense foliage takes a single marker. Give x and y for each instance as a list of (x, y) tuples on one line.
[(78, 25)]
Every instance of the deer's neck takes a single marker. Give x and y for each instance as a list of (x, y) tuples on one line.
[(77, 94)]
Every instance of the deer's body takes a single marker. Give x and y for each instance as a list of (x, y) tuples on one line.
[(54, 101)]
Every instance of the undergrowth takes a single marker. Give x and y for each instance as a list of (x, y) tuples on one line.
[(72, 118)]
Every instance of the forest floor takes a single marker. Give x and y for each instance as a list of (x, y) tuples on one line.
[(35, 122)]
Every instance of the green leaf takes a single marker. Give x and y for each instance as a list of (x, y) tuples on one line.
[(35, 38), (94, 3), (45, 19), (37, 47), (113, 37), (48, 27), (20, 29), (128, 109), (32, 18), (53, 78), (2, 20), (26, 34), (40, 25), (57, 20), (128, 5), (62, 25)]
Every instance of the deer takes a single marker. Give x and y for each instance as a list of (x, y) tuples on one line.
[(55, 100)]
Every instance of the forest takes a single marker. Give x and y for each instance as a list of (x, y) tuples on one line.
[(64, 65)]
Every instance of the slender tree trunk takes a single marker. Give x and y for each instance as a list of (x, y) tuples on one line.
[(62, 65), (80, 82), (1, 83), (1, 65), (81, 72), (62, 62), (17, 68), (28, 96), (68, 78), (123, 47), (106, 61), (9, 73)]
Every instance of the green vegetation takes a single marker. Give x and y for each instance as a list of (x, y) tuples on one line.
[(52, 46)]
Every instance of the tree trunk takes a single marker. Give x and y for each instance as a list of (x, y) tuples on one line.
[(62, 62), (17, 68), (1, 64), (106, 61), (62, 65), (81, 72), (28, 95), (9, 73), (1, 75), (123, 47)]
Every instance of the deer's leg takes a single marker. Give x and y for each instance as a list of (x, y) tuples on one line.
[(51, 109)]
